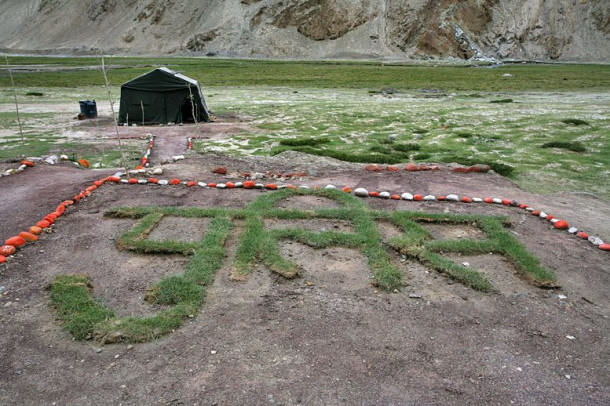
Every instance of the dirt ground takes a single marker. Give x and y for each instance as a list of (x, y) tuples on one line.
[(326, 338)]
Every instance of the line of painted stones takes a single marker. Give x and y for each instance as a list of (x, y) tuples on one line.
[(30, 236), (23, 165), (189, 143), (144, 160)]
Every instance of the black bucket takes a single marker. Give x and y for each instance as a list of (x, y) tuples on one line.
[(88, 108)]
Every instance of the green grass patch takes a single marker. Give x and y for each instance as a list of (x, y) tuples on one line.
[(180, 296), (575, 121), (498, 101), (299, 142)]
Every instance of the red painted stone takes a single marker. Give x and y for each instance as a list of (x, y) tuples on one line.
[(374, 194), (466, 199), (562, 225), (271, 186), (392, 169), (249, 184), (27, 163), (221, 170), (411, 168), (43, 224), (523, 206), (423, 167), (441, 198), (132, 181), (582, 234), (549, 217), (535, 213), (488, 200), (418, 198), (114, 179), (395, 197), (434, 168), (29, 237), (98, 183), (460, 169), (373, 168), (293, 187), (212, 184), (191, 183), (2, 259), (7, 250), (479, 168), (230, 185), (506, 202), (347, 189), (174, 182), (60, 209), (16, 241), (153, 180), (604, 247), (53, 216)]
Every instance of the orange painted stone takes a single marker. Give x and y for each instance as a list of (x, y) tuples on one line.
[(418, 198), (29, 237), (604, 247), (153, 180), (230, 185), (488, 200), (479, 168), (535, 213), (293, 187), (67, 203), (16, 241), (392, 169), (27, 163), (460, 169), (221, 170), (423, 167), (395, 197), (132, 181), (2, 259), (35, 230), (83, 162), (271, 186), (53, 216), (562, 225), (191, 183), (441, 198), (374, 194), (98, 183), (114, 179), (373, 168), (61, 209), (549, 217), (347, 190), (506, 202), (411, 168), (466, 199), (174, 182), (7, 250), (523, 206), (249, 184), (43, 224), (582, 234)]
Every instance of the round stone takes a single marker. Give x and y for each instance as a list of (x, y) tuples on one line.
[(384, 195), (452, 198), (429, 198), (582, 234), (406, 196), (595, 240), (605, 247), (496, 200), (361, 192), (330, 187), (572, 230), (562, 225)]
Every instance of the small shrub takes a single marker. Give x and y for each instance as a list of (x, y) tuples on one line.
[(38, 94), (406, 147), (575, 146), (575, 121), (464, 134), (502, 101), (422, 156)]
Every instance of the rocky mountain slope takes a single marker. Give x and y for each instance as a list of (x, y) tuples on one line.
[(575, 30)]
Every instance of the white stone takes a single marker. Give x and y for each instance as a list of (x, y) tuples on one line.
[(52, 160), (239, 184), (304, 187), (221, 186), (530, 209), (429, 198), (384, 195), (543, 215), (507, 75), (452, 198), (477, 200), (142, 181), (497, 200), (406, 196), (119, 174), (330, 187), (124, 181), (178, 157), (361, 192), (202, 184), (595, 240), (163, 182), (554, 221), (280, 187), (63, 157), (572, 230), (259, 186)]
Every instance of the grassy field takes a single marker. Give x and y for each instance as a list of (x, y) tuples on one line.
[(545, 126)]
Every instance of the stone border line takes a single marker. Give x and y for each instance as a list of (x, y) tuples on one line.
[(144, 160), (30, 236)]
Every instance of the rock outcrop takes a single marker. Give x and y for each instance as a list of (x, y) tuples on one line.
[(576, 30)]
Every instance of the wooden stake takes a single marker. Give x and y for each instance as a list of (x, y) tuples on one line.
[(10, 73)]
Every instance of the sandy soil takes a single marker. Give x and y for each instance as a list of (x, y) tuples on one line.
[(328, 337)]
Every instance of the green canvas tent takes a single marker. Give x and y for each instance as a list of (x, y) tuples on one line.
[(162, 96)]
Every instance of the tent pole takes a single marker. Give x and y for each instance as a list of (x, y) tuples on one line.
[(116, 126), (10, 73)]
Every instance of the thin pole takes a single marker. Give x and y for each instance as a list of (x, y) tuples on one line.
[(10, 73), (116, 126)]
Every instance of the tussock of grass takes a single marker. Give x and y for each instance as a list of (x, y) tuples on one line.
[(407, 147), (575, 146), (299, 142), (575, 121), (499, 167), (347, 156), (502, 101)]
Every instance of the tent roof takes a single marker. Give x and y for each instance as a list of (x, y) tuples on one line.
[(160, 80)]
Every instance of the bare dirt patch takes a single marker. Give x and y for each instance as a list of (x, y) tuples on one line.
[(307, 203), (317, 225), (269, 339), (454, 232), (172, 228)]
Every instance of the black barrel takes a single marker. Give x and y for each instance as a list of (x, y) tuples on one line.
[(88, 108)]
